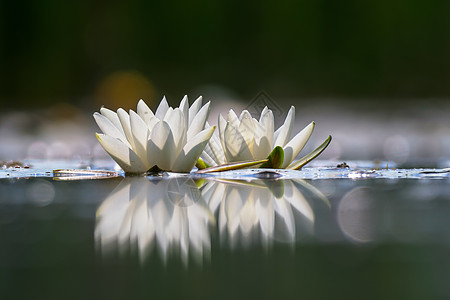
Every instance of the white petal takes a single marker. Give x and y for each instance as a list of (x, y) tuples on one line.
[(217, 150), (264, 111), (222, 123), (192, 150), (140, 134), (247, 128), (195, 107), (125, 121), (198, 123), (263, 149), (233, 118), (284, 132), (293, 148), (236, 149), (168, 114), (162, 109), (177, 125), (214, 150), (184, 106), (263, 136), (152, 122), (161, 146), (112, 116), (124, 156), (207, 157), (144, 111), (108, 128)]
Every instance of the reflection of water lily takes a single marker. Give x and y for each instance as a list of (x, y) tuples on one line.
[(166, 212), (246, 208), (244, 138), (176, 216), (171, 139)]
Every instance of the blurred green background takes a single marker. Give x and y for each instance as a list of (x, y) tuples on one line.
[(90, 53)]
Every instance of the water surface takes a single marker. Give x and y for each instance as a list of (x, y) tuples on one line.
[(323, 232)]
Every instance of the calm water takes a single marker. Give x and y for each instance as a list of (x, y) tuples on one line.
[(319, 233)]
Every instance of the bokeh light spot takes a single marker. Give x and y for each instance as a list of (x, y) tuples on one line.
[(41, 192), (124, 89)]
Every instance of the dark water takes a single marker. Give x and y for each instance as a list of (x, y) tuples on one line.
[(197, 238)]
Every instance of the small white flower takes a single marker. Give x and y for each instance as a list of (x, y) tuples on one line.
[(244, 138), (171, 139)]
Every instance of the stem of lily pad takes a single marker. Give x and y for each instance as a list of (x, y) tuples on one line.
[(232, 166)]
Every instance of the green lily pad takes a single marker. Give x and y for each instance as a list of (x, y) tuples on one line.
[(309, 157), (275, 159)]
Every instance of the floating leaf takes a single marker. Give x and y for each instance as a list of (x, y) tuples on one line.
[(309, 157), (73, 174), (232, 166), (275, 158)]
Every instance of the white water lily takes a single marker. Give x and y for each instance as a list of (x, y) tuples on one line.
[(244, 138), (171, 139)]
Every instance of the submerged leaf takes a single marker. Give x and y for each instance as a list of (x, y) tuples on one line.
[(309, 157), (275, 158), (232, 166)]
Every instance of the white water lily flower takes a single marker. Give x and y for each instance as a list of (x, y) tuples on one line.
[(171, 139), (244, 138)]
